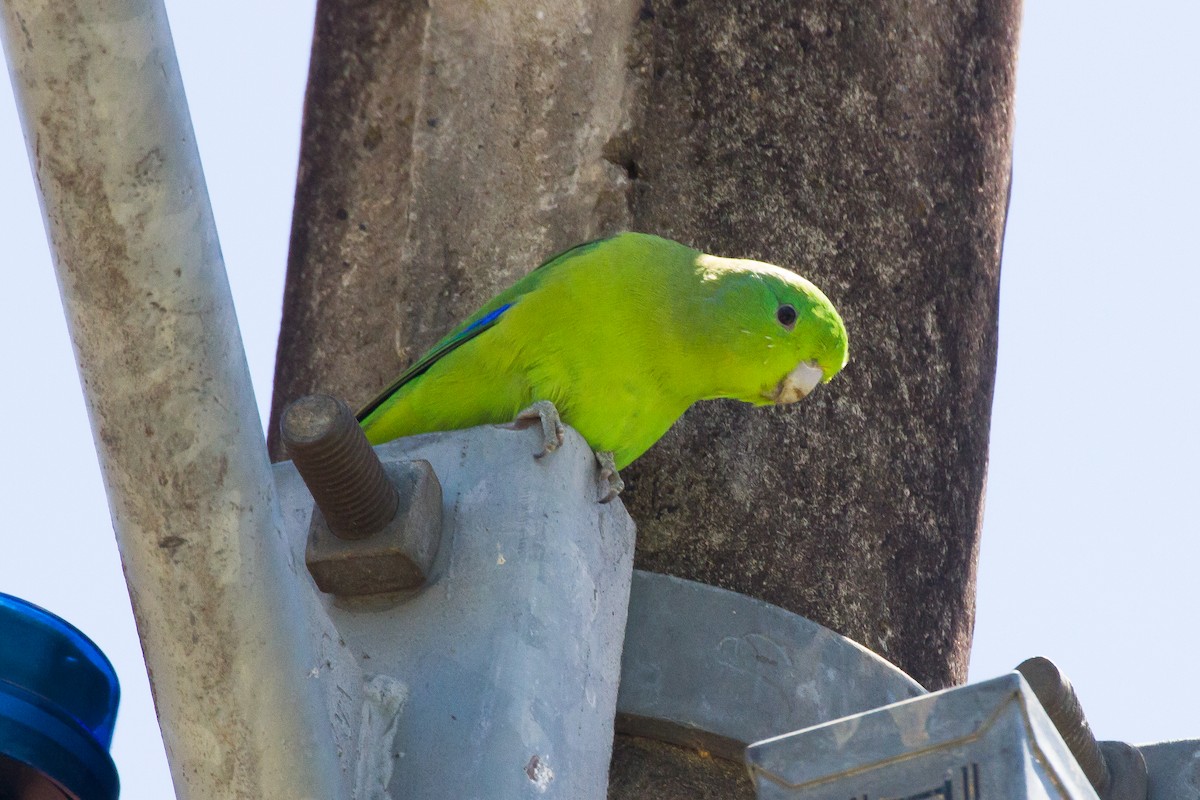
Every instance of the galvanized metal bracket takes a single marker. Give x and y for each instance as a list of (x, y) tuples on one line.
[(714, 670), (499, 677)]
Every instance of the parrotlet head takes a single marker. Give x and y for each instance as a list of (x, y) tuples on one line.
[(790, 337)]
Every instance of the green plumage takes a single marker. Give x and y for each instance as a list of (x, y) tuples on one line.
[(622, 335)]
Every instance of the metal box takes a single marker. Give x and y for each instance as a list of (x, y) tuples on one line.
[(987, 741)]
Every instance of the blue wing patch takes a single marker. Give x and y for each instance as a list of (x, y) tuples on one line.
[(486, 320), (432, 357)]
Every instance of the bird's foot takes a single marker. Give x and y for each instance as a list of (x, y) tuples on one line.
[(610, 482), (544, 412)]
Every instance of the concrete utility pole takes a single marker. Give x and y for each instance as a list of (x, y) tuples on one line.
[(449, 146)]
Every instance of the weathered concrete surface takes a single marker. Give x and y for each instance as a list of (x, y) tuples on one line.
[(866, 145), (447, 149), (352, 195)]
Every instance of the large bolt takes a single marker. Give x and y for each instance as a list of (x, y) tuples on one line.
[(338, 465), (374, 528), (1117, 771)]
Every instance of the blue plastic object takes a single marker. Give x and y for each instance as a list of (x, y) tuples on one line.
[(58, 702)]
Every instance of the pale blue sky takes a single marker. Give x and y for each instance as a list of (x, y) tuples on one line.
[(1090, 549)]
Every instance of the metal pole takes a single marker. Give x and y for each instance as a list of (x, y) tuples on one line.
[(219, 605)]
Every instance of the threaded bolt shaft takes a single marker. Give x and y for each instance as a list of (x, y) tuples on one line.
[(342, 472), (1058, 698)]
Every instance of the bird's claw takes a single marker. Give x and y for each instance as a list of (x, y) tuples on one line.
[(610, 482), (544, 412)]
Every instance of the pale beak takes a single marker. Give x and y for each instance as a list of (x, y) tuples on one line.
[(799, 382)]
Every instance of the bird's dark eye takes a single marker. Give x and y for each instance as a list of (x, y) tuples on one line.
[(786, 316)]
